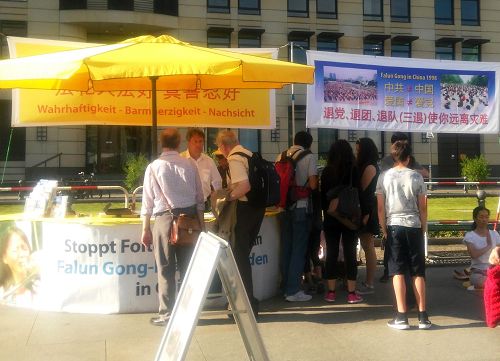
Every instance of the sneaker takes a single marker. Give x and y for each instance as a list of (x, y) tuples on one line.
[(354, 298), (298, 297), (399, 323), (365, 289), (330, 296), (161, 320), (423, 321)]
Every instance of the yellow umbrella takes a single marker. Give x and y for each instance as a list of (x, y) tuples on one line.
[(150, 63)]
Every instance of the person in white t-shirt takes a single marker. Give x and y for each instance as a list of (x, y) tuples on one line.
[(480, 242)]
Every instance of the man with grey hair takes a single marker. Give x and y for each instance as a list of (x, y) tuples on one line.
[(172, 187), (248, 217)]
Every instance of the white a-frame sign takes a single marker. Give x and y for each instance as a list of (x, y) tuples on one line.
[(211, 253)]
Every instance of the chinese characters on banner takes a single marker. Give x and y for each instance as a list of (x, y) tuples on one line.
[(395, 94), (238, 108)]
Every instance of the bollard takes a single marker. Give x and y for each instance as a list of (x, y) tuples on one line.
[(481, 198)]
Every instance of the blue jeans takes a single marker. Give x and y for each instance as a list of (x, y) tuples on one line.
[(295, 227)]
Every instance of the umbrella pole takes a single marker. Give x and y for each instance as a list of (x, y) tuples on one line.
[(7, 154), (154, 125)]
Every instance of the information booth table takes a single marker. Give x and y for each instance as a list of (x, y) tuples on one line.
[(98, 264)]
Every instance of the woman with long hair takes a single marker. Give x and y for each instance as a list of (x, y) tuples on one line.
[(366, 161), (340, 170), (480, 241)]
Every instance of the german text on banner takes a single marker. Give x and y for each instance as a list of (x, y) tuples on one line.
[(396, 94), (236, 108)]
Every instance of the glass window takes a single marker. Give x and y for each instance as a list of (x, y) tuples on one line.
[(300, 45), (373, 48), (250, 7), (401, 50), (471, 53), (443, 12), (373, 10), (121, 5), (218, 39), (248, 40), (218, 6), (166, 7), (72, 4), (352, 136), (10, 28), (298, 8), (17, 144), (470, 12), (400, 11), (327, 44), (250, 139), (326, 9), (326, 137), (445, 51)]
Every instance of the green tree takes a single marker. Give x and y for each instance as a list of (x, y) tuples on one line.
[(134, 169), (474, 169)]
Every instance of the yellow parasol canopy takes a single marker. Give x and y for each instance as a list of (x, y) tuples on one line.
[(131, 64)]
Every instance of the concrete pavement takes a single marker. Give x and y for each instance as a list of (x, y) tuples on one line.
[(309, 331)]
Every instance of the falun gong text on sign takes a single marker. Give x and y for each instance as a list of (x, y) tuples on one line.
[(395, 94)]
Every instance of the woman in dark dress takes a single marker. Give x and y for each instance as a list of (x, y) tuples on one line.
[(366, 160), (339, 170)]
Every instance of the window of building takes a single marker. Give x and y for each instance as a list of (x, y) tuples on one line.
[(121, 5), (374, 44), (470, 12), (373, 10), (400, 11), (401, 46), (41, 134), (250, 139), (17, 141), (352, 136), (401, 50), (326, 137), (219, 37), (445, 50), (72, 4), (327, 41), (300, 40), (10, 28), (326, 9), (443, 12), (166, 7), (218, 6), (250, 38), (298, 8), (249, 7), (471, 53)]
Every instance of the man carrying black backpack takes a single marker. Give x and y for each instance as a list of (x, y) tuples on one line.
[(297, 217), (248, 216)]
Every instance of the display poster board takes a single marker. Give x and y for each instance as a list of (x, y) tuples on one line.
[(211, 252), (100, 266), (234, 108), (395, 94)]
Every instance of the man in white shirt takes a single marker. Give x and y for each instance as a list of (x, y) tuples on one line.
[(209, 174), (171, 187)]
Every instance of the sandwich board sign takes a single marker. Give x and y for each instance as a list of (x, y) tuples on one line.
[(211, 253)]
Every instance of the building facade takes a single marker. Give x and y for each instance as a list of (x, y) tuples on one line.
[(440, 29)]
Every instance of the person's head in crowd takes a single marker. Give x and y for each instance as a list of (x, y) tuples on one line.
[(195, 138), (15, 254), (304, 139), (226, 140), (170, 139), (480, 216), (399, 136), (401, 151), (340, 156), (366, 152)]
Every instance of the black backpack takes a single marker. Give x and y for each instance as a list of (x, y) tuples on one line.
[(348, 209), (264, 181)]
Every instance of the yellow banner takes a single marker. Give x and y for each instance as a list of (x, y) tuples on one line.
[(235, 108)]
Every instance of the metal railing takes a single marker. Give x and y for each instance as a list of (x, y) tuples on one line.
[(44, 162)]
